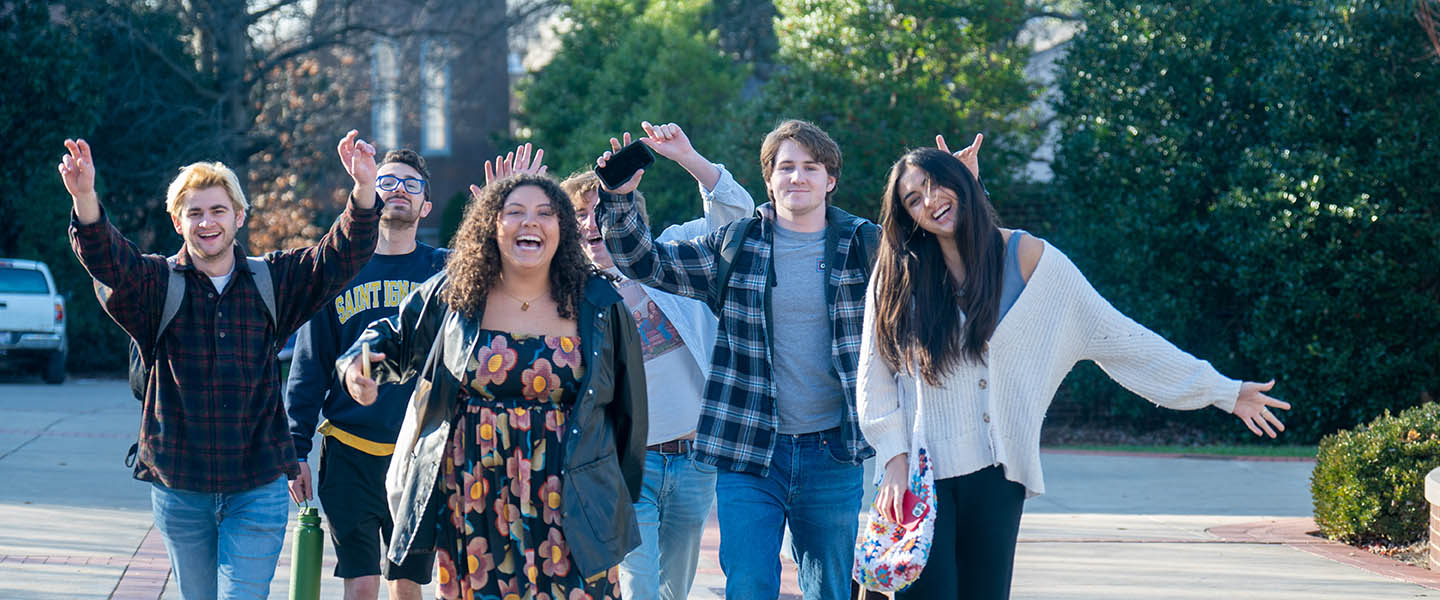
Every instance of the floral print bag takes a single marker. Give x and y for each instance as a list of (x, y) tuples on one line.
[(889, 556)]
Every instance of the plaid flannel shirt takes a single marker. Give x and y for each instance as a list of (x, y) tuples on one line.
[(738, 419), (212, 418)]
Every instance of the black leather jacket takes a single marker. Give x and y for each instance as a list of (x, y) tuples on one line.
[(603, 451)]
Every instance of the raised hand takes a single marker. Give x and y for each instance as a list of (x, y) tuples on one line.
[(667, 140), (517, 161), (670, 141), (630, 184), (1252, 407), (969, 155), (358, 156), (77, 170)]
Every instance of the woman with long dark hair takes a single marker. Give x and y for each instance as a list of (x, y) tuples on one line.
[(524, 443), (976, 326)]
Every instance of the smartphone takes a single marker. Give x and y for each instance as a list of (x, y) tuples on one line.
[(913, 510), (623, 164)]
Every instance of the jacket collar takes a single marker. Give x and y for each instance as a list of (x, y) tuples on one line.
[(838, 223)]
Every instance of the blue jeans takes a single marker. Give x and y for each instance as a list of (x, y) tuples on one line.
[(673, 505), (223, 545), (817, 493)]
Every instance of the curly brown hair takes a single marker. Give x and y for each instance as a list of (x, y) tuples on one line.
[(474, 264)]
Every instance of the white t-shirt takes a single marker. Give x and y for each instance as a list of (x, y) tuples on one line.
[(672, 379)]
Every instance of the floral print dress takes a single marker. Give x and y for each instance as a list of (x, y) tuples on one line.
[(499, 530)]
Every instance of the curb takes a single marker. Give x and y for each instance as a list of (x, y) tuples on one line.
[(1177, 455), (1295, 533)]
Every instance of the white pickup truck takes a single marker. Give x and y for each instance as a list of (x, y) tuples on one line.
[(32, 318)]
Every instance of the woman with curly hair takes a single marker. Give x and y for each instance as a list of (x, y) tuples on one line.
[(974, 327), (521, 450)]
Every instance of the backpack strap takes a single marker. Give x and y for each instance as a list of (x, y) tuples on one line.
[(730, 245), (869, 243), (260, 271), (174, 295)]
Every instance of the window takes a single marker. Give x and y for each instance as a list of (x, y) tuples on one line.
[(22, 281), (434, 98), (384, 104)]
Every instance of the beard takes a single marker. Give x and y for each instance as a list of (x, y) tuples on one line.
[(400, 218)]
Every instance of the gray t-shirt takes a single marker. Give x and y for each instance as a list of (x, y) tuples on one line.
[(810, 397)]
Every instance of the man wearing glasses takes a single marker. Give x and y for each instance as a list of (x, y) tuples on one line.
[(359, 439)]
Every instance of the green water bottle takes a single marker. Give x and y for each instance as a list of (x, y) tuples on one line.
[(307, 552)]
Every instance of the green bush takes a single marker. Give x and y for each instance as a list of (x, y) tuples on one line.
[(1255, 181), (1369, 483)]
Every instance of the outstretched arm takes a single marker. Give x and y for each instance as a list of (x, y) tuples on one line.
[(724, 199)]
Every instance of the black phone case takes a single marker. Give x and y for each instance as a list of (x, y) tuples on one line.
[(623, 164)]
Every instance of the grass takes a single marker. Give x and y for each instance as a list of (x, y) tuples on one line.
[(1217, 450)]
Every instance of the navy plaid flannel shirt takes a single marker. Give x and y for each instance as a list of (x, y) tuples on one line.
[(212, 419), (738, 419)]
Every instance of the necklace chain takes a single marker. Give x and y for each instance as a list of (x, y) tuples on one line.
[(524, 304)]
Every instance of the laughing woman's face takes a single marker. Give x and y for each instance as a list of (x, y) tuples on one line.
[(932, 206), (529, 229)]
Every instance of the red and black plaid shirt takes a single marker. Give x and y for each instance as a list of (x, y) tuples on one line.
[(213, 419)]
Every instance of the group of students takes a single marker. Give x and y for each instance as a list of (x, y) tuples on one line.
[(552, 407)]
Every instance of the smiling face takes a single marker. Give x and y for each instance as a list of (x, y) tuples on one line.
[(207, 220), (590, 239), (933, 207), (402, 208), (528, 230), (798, 183)]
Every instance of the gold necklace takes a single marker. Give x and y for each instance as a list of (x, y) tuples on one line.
[(524, 304)]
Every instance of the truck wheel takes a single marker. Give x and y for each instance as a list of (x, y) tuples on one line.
[(55, 368)]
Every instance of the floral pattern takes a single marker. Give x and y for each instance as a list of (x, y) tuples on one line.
[(500, 530), (493, 363), (567, 350), (540, 381)]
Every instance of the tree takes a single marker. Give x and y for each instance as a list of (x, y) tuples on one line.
[(608, 77), (68, 81), (274, 81), (1254, 181), (883, 77)]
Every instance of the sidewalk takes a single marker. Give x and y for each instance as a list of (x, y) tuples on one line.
[(73, 524)]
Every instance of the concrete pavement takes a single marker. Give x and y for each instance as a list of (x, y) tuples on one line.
[(73, 524)]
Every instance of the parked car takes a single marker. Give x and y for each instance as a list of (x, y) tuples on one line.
[(32, 318)]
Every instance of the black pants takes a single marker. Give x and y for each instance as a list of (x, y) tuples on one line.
[(977, 521)]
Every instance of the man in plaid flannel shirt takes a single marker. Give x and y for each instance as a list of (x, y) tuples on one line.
[(779, 417), (214, 441)]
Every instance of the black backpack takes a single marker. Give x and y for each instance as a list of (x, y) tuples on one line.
[(734, 239), (174, 295)]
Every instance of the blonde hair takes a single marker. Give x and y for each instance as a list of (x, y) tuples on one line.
[(202, 175), (581, 184)]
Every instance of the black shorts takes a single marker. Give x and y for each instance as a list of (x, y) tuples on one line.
[(352, 491)]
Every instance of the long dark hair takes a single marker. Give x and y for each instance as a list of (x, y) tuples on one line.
[(917, 326), (474, 265)]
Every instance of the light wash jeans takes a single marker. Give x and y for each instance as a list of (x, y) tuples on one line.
[(673, 505), (222, 545), (817, 493)]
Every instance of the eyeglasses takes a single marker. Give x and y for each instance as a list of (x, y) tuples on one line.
[(389, 183)]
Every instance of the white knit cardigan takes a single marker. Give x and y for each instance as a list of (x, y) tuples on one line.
[(991, 413)]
